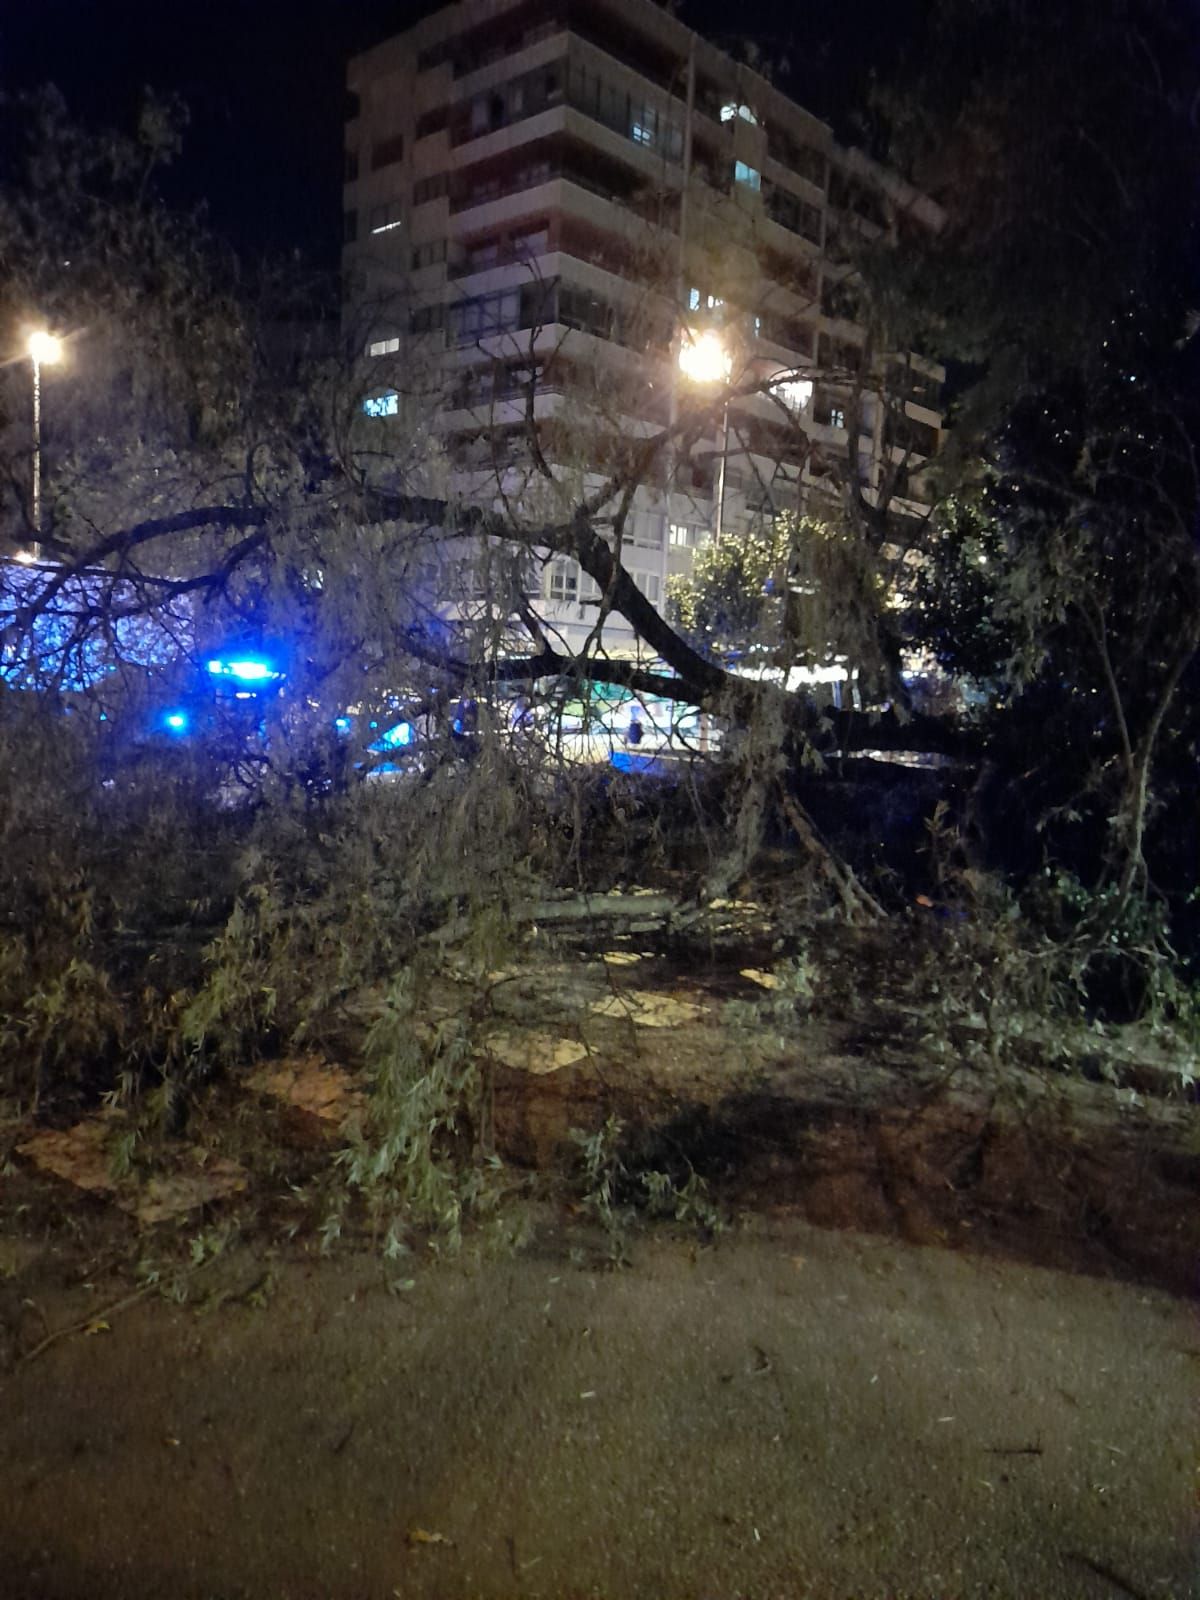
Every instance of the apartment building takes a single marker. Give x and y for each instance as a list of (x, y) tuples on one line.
[(552, 198)]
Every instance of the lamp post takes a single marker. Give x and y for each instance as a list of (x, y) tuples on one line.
[(704, 359), (44, 350)]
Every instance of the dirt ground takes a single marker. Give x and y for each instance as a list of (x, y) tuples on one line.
[(789, 1413), (935, 1356)]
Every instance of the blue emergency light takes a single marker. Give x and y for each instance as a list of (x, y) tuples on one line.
[(244, 669)]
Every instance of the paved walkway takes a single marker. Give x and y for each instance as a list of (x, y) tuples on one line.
[(794, 1413)]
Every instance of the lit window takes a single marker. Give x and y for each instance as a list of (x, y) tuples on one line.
[(383, 347), (643, 126), (748, 177), (682, 535), (796, 393), (384, 218), (382, 405), (837, 417), (733, 109)]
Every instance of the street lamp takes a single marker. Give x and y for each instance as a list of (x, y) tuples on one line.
[(44, 350), (704, 359)]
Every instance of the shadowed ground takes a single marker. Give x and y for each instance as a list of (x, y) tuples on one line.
[(792, 1413)]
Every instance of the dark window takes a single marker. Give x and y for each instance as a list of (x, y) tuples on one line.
[(841, 300), (787, 331), (350, 167), (907, 382), (508, 103), (432, 121), (428, 319), (839, 353), (428, 255), (349, 227), (795, 214), (906, 433), (435, 54), (429, 188), (386, 152)]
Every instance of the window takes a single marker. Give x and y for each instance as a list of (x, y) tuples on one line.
[(349, 227), (648, 583), (748, 177), (790, 212), (387, 151), (382, 219), (733, 109), (435, 55), (432, 121), (350, 166), (523, 246), (612, 104), (488, 314), (841, 299), (429, 188), (427, 319), (508, 103), (386, 404), (684, 536), (428, 255), (796, 393), (645, 529), (482, 255), (800, 157), (839, 353), (383, 347), (788, 332), (564, 581), (699, 301)]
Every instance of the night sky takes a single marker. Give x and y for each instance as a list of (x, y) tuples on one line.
[(264, 83)]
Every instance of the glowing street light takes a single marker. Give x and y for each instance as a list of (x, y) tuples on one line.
[(44, 350), (705, 359)]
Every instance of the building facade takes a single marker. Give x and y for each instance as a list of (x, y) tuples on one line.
[(546, 200)]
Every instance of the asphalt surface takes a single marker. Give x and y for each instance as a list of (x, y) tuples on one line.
[(791, 1413)]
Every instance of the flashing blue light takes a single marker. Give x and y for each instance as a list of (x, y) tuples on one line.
[(342, 724), (177, 721), (395, 738), (245, 670)]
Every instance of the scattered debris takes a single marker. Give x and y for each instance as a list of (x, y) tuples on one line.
[(649, 1009), (535, 1052), (79, 1154), (765, 980), (309, 1084), (620, 958), (162, 1198), (418, 1536)]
